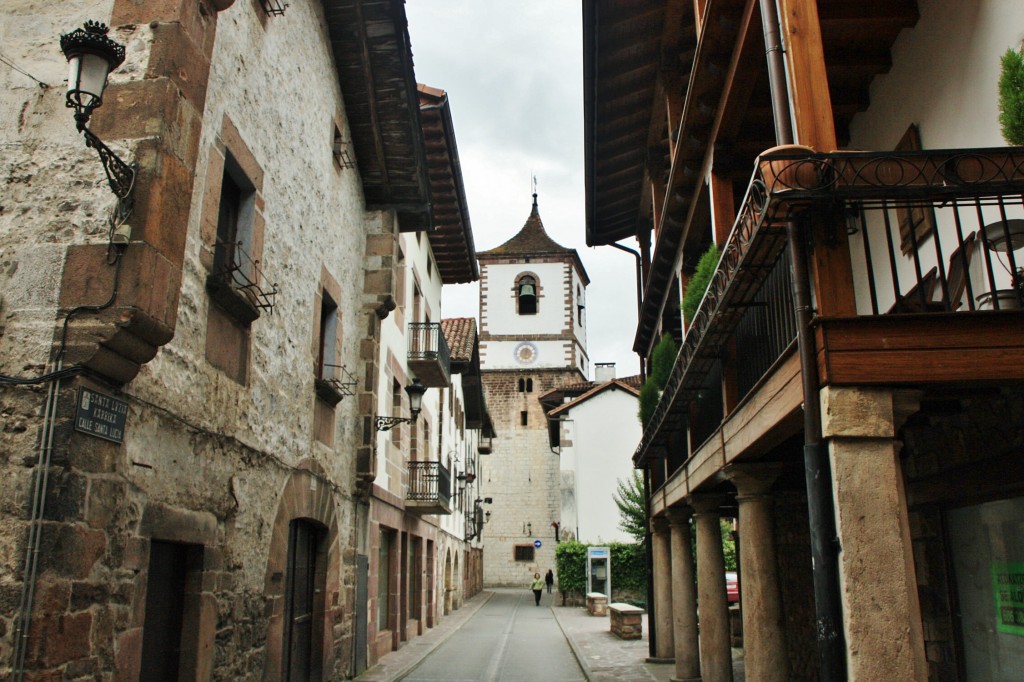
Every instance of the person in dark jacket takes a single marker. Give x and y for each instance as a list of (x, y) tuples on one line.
[(549, 580)]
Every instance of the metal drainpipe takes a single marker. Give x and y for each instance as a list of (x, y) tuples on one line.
[(639, 294), (28, 585), (817, 469), (652, 634)]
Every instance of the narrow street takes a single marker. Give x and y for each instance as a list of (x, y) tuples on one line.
[(508, 639)]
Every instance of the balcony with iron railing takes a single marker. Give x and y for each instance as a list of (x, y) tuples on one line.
[(914, 272), (429, 356), (430, 486)]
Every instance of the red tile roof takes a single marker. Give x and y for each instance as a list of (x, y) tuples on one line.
[(460, 335)]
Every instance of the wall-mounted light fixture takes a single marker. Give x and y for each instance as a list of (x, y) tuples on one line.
[(415, 390), (91, 57)]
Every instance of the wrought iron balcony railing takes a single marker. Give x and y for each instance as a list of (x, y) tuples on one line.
[(929, 232), (429, 356), (334, 383), (236, 284), (430, 487)]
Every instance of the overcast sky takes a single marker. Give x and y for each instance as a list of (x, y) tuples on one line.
[(513, 72)]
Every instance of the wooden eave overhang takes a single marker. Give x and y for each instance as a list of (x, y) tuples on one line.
[(622, 62), (451, 240), (373, 58)]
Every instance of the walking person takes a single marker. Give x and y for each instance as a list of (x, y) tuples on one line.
[(549, 580), (537, 587)]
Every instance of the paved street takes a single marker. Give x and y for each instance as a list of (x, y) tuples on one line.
[(500, 635), (507, 639)]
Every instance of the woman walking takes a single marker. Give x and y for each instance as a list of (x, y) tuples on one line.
[(549, 580), (537, 587)]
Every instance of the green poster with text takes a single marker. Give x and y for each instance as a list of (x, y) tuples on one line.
[(1008, 590)]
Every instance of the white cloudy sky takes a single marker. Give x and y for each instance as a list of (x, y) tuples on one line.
[(513, 72)]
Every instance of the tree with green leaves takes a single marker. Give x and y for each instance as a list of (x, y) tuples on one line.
[(629, 498)]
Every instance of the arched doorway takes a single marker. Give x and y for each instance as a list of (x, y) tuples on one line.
[(302, 580), (447, 582), (456, 592)]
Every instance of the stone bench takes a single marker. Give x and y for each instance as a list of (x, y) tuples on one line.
[(626, 621), (597, 603)]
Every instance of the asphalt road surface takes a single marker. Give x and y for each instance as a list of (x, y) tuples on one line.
[(507, 640)]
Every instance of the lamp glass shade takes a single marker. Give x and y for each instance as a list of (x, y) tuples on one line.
[(87, 78), (415, 390)]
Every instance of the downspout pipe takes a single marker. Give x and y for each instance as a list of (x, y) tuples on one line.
[(639, 293), (817, 468)]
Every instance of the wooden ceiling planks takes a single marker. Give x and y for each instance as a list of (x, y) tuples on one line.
[(373, 58)]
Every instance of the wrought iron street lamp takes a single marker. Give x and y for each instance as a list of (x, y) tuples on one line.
[(415, 390), (91, 57)]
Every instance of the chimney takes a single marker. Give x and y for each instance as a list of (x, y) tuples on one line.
[(604, 371)]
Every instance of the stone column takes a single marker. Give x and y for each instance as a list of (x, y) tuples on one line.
[(764, 635), (715, 649), (684, 597), (664, 643), (876, 563)]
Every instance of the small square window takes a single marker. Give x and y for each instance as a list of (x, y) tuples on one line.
[(524, 552), (523, 418)]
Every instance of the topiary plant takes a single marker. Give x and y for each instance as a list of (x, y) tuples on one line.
[(1011, 97), (648, 401), (699, 282), (662, 360)]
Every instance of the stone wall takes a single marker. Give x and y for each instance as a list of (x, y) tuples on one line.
[(522, 476), (208, 460)]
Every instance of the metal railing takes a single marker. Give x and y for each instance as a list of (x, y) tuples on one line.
[(929, 232), (429, 482), (426, 342)]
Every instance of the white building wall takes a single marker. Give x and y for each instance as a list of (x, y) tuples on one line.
[(604, 432), (499, 315), (944, 79)]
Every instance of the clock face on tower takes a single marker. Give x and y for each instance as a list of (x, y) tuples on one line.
[(525, 353)]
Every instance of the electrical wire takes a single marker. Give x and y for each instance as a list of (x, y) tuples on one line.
[(4, 59)]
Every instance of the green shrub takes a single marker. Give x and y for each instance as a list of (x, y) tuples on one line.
[(571, 564), (699, 282), (1011, 97), (648, 401), (662, 360), (628, 569)]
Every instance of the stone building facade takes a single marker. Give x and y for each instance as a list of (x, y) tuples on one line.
[(237, 330), (531, 342)]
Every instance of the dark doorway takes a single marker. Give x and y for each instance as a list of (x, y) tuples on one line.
[(303, 601), (175, 576)]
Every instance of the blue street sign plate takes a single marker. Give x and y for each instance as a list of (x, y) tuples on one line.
[(537, 543)]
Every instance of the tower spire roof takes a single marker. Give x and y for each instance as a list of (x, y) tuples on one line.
[(531, 240)]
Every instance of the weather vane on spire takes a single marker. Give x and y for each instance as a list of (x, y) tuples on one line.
[(534, 177)]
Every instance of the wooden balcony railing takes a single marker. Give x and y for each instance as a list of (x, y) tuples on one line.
[(930, 232), (430, 486)]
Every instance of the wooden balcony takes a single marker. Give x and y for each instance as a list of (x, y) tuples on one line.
[(430, 486), (930, 290), (429, 356)]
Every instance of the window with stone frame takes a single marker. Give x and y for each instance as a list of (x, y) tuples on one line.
[(523, 552), (232, 226)]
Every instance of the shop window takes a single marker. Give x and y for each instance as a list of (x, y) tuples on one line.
[(987, 550), (524, 552)]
